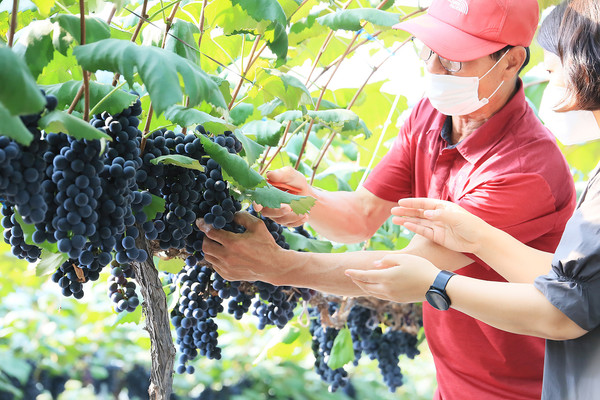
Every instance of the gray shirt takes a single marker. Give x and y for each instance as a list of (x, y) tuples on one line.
[(572, 367)]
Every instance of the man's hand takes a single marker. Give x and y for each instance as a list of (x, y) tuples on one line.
[(401, 278), (286, 178), (248, 256)]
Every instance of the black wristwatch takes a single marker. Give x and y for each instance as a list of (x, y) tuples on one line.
[(436, 295)]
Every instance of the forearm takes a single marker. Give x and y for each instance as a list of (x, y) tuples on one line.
[(348, 217), (513, 307), (324, 272), (515, 261)]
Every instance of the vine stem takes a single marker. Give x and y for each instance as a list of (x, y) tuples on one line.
[(86, 81), (156, 311), (244, 71), (13, 22), (201, 26), (151, 109), (284, 143), (358, 92), (138, 28)]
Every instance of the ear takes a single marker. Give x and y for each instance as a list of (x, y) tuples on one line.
[(514, 60)]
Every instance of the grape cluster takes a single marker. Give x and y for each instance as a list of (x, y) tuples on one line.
[(368, 338), (13, 235), (121, 290)]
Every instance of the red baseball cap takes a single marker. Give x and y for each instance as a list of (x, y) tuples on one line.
[(463, 30)]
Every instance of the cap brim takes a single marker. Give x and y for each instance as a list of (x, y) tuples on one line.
[(446, 40)]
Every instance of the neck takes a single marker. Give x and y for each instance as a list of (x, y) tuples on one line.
[(464, 125)]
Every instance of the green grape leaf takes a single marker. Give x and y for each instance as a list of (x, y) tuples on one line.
[(172, 265), (179, 161), (12, 127), (277, 41), (292, 115), (342, 352), (252, 149), (95, 28), (300, 242), (269, 196), (240, 113), (190, 117), (159, 69), (125, 317), (103, 97), (224, 87), (19, 368), (260, 10), (34, 44), (18, 91), (44, 6), (183, 32), (234, 165), (50, 262), (267, 132), (157, 206), (28, 230), (350, 20), (60, 121), (292, 335), (288, 89)]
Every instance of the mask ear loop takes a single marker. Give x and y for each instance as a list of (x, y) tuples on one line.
[(486, 100)]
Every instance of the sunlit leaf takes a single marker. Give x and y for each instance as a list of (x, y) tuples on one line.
[(50, 262), (95, 28), (60, 121), (271, 197), (114, 104), (159, 69), (263, 10), (342, 352), (12, 127), (252, 149), (232, 164), (18, 92), (183, 116), (351, 19), (300, 242), (34, 44), (267, 132), (182, 42), (179, 161)]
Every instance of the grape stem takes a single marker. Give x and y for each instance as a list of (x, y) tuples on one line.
[(13, 22)]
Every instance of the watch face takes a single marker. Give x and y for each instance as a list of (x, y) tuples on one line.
[(436, 300)]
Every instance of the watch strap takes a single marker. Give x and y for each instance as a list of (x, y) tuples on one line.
[(441, 280)]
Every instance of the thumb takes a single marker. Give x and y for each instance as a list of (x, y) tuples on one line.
[(247, 220), (257, 207), (357, 275)]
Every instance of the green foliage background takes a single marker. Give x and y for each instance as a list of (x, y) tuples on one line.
[(227, 64)]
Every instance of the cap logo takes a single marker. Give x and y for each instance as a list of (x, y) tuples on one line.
[(459, 5)]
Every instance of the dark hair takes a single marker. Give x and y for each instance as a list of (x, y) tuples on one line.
[(496, 56), (572, 32)]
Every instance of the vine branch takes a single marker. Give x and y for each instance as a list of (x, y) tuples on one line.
[(138, 28), (251, 59), (158, 325), (202, 19), (86, 81), (13, 22)]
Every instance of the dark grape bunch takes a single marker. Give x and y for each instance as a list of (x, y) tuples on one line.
[(368, 338), (121, 290)]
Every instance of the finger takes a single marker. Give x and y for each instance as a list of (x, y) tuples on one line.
[(218, 235), (292, 220), (402, 211), (366, 276), (422, 203), (257, 207), (425, 231), (287, 175), (247, 220), (282, 211)]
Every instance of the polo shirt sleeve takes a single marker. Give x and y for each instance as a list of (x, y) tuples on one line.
[(391, 179), (521, 204), (573, 284)]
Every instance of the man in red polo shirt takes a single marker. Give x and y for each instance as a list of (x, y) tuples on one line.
[(474, 141)]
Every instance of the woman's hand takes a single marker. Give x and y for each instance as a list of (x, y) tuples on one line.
[(443, 222), (402, 278)]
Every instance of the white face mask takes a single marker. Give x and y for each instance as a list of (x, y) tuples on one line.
[(457, 95), (570, 127)]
